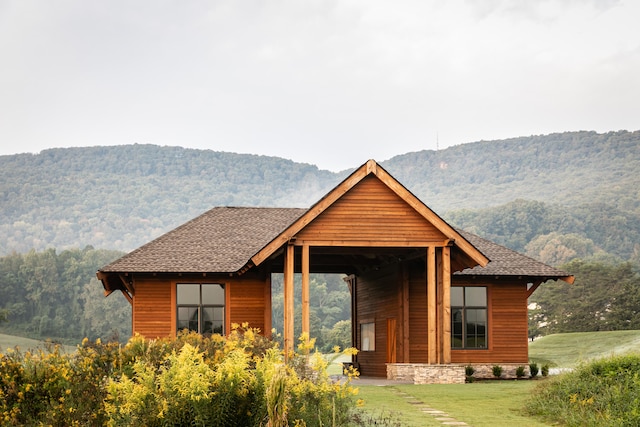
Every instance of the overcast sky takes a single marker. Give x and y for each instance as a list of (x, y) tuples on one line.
[(332, 83)]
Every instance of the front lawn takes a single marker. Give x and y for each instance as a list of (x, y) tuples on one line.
[(490, 403)]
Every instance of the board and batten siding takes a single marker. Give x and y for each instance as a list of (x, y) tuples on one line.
[(370, 213)]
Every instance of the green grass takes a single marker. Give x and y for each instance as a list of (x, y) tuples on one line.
[(494, 403), (491, 403), (24, 344), (569, 350)]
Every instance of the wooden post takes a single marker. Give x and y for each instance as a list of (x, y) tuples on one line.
[(305, 290), (446, 304), (288, 300), (431, 306)]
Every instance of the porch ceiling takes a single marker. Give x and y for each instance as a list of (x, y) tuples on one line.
[(354, 260)]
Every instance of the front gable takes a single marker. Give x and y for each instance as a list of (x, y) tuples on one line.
[(356, 208), (370, 214)]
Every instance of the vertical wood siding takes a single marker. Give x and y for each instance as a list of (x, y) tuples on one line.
[(418, 344), (377, 301)]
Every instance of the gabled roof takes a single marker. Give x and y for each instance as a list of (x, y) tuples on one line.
[(371, 168)]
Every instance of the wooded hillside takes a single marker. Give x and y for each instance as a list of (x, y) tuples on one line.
[(121, 197)]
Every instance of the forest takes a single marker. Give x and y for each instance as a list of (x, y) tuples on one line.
[(570, 199)]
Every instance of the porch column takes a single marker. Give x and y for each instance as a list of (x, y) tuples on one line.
[(288, 299), (432, 355), (446, 305), (305, 290)]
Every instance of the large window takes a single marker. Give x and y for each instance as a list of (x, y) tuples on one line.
[(469, 317), (200, 307)]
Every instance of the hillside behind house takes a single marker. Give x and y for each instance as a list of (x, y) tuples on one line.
[(123, 196)]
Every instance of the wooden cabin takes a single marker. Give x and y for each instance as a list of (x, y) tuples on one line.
[(422, 292)]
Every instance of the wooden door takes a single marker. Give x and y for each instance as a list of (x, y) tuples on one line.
[(391, 340)]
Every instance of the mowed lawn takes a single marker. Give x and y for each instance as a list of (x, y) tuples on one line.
[(26, 344), (488, 403), (494, 403)]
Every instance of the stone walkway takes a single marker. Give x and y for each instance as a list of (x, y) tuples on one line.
[(441, 416)]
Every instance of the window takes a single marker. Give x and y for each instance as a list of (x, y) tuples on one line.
[(469, 317), (368, 336), (200, 307)]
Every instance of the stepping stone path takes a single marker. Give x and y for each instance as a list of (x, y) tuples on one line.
[(441, 416)]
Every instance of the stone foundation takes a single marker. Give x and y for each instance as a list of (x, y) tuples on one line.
[(508, 370), (421, 373)]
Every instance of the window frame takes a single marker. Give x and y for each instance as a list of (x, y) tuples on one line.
[(465, 309), (201, 306)]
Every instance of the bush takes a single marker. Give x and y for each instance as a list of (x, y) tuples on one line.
[(545, 370), (468, 373), (497, 371), (520, 371), (238, 380), (604, 392), (533, 370)]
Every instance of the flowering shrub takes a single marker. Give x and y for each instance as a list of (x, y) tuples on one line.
[(241, 379)]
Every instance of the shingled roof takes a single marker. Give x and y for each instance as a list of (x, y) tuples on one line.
[(507, 262), (223, 240)]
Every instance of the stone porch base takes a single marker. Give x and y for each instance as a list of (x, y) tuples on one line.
[(422, 373)]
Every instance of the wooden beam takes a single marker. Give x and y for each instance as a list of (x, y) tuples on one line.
[(305, 290), (446, 305), (431, 306), (288, 300), (371, 243)]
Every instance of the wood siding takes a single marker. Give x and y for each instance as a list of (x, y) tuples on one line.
[(508, 326), (247, 304), (248, 300), (418, 342), (153, 311), (370, 213), (377, 302)]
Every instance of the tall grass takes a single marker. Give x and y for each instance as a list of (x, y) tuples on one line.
[(605, 392)]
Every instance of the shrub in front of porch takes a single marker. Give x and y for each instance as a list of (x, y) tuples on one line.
[(187, 380)]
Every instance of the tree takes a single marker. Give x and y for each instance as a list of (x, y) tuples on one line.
[(605, 296)]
